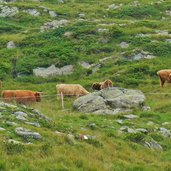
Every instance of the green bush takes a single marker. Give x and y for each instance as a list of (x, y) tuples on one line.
[(139, 12), (116, 32), (13, 148), (158, 48), (137, 137)]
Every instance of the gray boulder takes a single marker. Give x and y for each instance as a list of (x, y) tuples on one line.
[(91, 103), (110, 101), (53, 71)]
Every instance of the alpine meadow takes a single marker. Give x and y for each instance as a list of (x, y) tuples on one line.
[(85, 85)]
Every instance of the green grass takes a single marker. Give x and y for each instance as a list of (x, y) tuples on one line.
[(111, 150)]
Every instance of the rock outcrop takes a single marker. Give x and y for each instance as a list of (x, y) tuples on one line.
[(22, 122), (53, 71), (110, 101)]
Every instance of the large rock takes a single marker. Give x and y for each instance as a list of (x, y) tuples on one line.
[(53, 71), (110, 101)]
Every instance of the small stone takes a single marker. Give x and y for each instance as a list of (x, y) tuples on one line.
[(106, 59), (124, 45), (32, 12), (102, 30), (92, 125), (81, 15), (130, 116), (68, 34), (2, 129), (36, 124), (150, 123), (142, 130), (11, 123), (85, 65), (14, 141), (11, 45), (168, 40), (113, 6), (52, 14), (19, 113), (127, 129), (166, 123), (146, 108), (21, 118), (119, 121), (61, 134)]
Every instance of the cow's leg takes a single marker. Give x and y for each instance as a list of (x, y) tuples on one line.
[(162, 81)]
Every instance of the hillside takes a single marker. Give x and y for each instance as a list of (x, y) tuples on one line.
[(45, 42)]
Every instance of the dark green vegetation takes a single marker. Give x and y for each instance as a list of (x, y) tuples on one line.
[(111, 150)]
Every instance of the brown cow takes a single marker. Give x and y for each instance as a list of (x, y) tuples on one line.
[(71, 90), (165, 75), (21, 96), (96, 86), (102, 85)]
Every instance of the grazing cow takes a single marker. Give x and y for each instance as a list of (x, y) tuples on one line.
[(102, 85), (21, 96), (71, 90), (165, 75)]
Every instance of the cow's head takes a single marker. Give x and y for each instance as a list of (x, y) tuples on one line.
[(108, 83), (96, 86), (37, 95)]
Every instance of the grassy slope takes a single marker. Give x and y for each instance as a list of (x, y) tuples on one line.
[(111, 150)]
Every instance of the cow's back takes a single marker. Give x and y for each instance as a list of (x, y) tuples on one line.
[(71, 89), (25, 96), (20, 96)]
